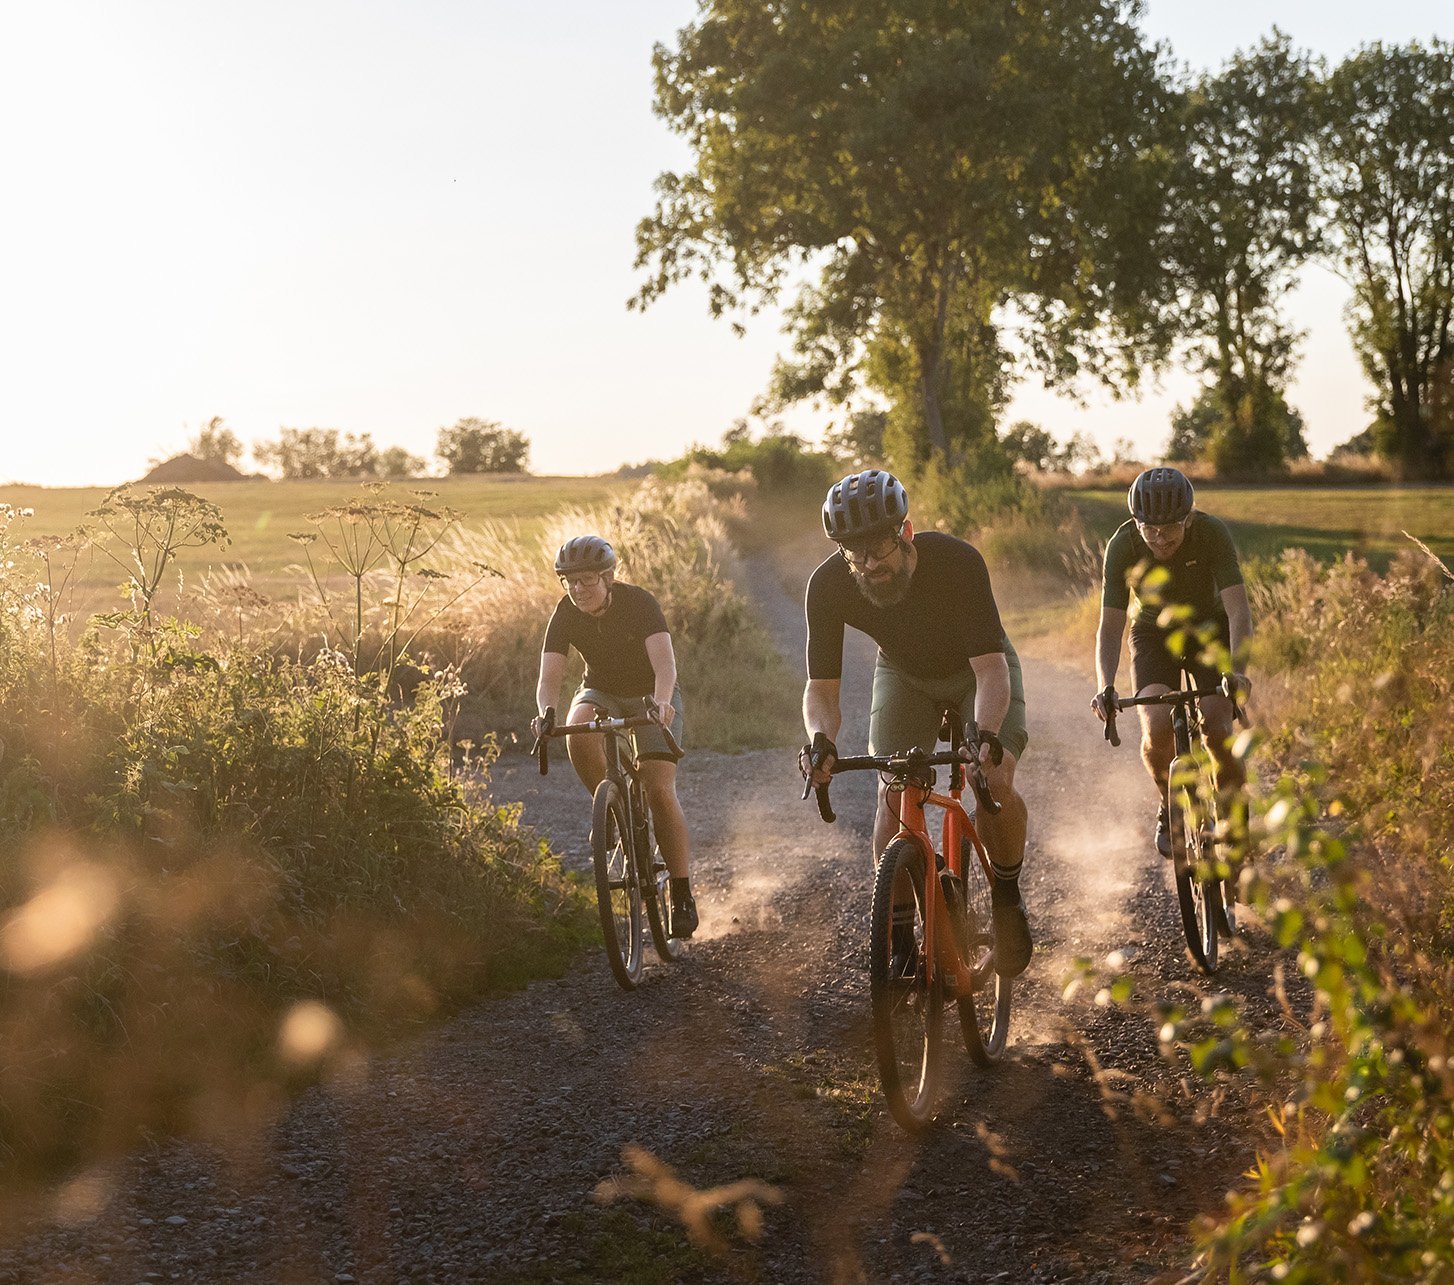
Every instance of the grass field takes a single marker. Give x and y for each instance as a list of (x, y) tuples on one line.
[(1327, 522), (261, 515)]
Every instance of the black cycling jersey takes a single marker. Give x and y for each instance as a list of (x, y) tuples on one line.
[(1195, 575), (613, 643), (947, 618)]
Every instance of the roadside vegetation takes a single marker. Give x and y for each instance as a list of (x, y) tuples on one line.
[(244, 840)]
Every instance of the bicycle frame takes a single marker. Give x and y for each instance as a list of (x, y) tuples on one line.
[(940, 948)]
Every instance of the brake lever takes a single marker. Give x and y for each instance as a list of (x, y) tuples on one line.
[(542, 743), (1111, 734)]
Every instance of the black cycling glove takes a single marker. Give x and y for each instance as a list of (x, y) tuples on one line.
[(813, 754), (997, 750)]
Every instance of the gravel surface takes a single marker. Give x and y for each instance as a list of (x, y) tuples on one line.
[(476, 1153)]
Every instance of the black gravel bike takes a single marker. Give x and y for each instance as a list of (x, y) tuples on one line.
[(931, 927), (1206, 879), (631, 877)]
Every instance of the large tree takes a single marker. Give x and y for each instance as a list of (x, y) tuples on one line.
[(473, 445), (1243, 208), (950, 171), (1386, 162)]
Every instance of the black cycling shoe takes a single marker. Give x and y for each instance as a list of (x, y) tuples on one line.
[(1012, 931), (683, 916), (1163, 832)]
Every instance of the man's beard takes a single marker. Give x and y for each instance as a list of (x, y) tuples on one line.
[(886, 593)]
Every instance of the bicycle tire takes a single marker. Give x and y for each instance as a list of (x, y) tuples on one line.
[(656, 891), (984, 1015), (907, 1011), (1227, 906), (618, 887), (1198, 891)]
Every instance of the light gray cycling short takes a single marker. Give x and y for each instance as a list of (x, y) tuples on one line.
[(907, 709), (648, 741)]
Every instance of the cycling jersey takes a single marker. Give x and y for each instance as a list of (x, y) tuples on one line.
[(613, 643), (947, 618), (1195, 575)]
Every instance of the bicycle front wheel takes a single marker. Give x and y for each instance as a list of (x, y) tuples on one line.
[(618, 887), (1198, 890), (907, 1009), (984, 1014)]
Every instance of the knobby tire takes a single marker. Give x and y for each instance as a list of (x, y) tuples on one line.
[(984, 1015), (907, 1012), (618, 888)]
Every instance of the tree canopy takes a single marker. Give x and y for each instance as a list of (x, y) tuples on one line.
[(1386, 169), (482, 446), (1243, 211), (958, 176)]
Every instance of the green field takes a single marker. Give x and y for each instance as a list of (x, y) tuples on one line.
[(260, 515), (1326, 521)]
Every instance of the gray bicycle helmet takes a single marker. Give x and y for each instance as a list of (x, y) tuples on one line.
[(584, 553), (1160, 496), (864, 504)]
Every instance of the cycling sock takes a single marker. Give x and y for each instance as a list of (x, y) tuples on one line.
[(681, 888), (1006, 882)]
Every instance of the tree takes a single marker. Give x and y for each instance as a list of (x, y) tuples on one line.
[(1027, 443), (1195, 429), (482, 446), (1243, 207), (216, 443), (319, 452), (858, 438), (1386, 168), (943, 167), (396, 462)]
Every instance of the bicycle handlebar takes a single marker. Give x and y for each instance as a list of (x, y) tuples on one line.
[(599, 725), (904, 765), (1183, 697)]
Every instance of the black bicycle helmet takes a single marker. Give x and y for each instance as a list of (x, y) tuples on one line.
[(1160, 496), (584, 553), (864, 504)]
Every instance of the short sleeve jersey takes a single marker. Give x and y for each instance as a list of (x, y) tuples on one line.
[(613, 643), (947, 618), (1195, 575)]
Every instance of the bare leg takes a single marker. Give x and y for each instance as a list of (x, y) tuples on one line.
[(587, 753), (660, 779)]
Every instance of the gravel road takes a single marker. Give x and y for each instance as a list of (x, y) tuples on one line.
[(475, 1153)]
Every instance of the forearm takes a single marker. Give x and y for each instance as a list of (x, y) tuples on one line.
[(1239, 627), (991, 691), (662, 654), (1109, 633), (822, 711), (547, 686)]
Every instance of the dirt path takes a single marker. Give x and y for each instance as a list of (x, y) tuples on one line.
[(474, 1155)]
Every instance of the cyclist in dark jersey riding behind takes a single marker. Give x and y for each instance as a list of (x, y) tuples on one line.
[(926, 600), (1180, 567), (621, 633)]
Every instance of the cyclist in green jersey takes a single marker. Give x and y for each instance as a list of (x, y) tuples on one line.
[(621, 632), (1179, 567)]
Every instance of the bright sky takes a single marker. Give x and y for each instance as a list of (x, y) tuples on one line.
[(381, 217)]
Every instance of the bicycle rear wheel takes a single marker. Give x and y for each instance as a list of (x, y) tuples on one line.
[(907, 1010), (618, 887), (984, 1015), (1198, 890), (655, 889)]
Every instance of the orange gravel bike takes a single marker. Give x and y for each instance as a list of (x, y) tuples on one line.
[(631, 877), (931, 929), (1206, 882)]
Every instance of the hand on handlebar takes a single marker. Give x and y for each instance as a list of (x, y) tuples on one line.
[(1104, 703), (662, 711), (991, 751), (1238, 687), (815, 761), (542, 722)]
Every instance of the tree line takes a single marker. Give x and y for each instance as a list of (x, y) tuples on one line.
[(469, 445), (952, 195)]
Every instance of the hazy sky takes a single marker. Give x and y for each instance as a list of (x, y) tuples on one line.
[(381, 217)]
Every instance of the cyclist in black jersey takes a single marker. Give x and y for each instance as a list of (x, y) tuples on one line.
[(1190, 609), (926, 600), (620, 631)]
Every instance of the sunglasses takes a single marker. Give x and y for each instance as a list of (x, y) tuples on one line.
[(861, 552), (1160, 530), (582, 580)]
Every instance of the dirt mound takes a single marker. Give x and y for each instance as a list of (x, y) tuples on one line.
[(188, 468)]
